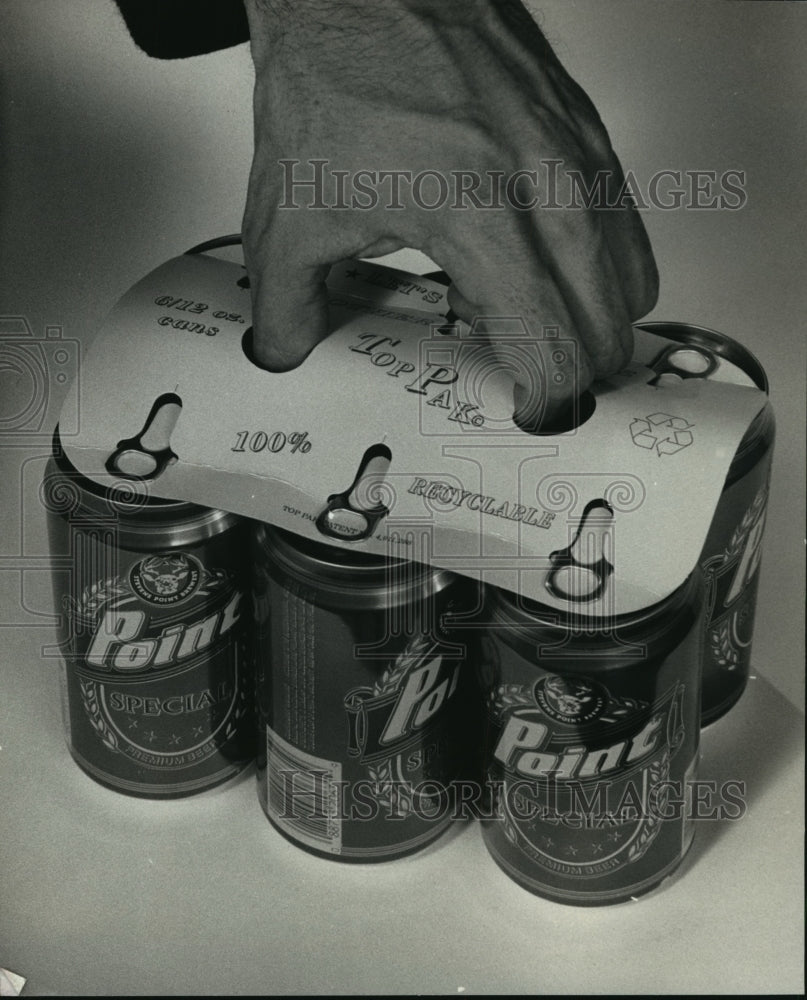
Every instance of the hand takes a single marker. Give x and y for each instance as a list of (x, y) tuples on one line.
[(443, 87)]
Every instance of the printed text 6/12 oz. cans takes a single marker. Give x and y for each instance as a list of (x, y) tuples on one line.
[(155, 635), (591, 744), (362, 697)]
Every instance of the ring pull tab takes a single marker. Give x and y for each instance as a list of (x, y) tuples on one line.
[(580, 572), (146, 455), (347, 515), (689, 361)]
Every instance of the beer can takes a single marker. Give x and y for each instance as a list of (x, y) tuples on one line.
[(731, 554), (591, 744), (155, 635), (363, 697)]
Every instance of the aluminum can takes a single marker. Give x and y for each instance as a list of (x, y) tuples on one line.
[(364, 697), (731, 553), (591, 744), (155, 635)]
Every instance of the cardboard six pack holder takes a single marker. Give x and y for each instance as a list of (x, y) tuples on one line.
[(396, 434)]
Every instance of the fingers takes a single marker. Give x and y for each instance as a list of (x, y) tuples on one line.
[(574, 254), (576, 273), (593, 175), (613, 203), (288, 252), (555, 271), (288, 257), (520, 309), (633, 257), (608, 195), (289, 298)]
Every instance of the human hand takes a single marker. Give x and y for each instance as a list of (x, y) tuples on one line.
[(412, 86)]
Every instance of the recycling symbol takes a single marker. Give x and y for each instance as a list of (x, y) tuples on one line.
[(661, 432)]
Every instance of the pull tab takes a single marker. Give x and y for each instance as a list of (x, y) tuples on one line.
[(689, 361), (347, 515), (580, 572), (146, 455)]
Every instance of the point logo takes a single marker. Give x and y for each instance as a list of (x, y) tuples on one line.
[(163, 580), (570, 699)]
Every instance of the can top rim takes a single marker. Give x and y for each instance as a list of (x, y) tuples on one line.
[(517, 612), (702, 336), (123, 501), (327, 567)]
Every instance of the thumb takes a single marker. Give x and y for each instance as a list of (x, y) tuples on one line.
[(289, 295)]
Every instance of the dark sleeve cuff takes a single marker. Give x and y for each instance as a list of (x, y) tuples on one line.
[(175, 29)]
